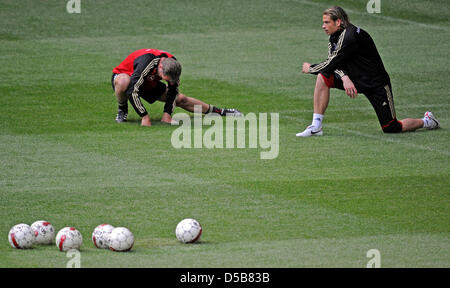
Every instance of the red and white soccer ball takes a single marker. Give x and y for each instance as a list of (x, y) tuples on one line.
[(21, 236), (121, 239), (43, 232), (101, 235), (68, 238), (188, 230)]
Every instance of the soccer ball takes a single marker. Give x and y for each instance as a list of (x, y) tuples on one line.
[(21, 236), (121, 239), (68, 238), (43, 232), (101, 234), (188, 230)]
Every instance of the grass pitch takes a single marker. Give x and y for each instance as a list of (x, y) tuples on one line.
[(323, 202)]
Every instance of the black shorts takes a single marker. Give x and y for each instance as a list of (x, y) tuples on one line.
[(150, 91), (382, 102)]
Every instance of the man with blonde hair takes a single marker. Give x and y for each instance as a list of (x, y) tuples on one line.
[(139, 76), (354, 65)]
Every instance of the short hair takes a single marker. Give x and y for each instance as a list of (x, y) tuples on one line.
[(337, 12), (171, 68)]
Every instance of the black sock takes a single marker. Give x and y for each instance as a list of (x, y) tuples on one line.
[(124, 107), (216, 110)]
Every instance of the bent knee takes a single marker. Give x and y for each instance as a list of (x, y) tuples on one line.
[(121, 82), (325, 82)]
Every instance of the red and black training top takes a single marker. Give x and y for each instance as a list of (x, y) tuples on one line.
[(138, 65)]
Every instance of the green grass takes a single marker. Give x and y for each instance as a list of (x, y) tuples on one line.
[(323, 202)]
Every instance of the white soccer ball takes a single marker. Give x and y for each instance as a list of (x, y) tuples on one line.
[(188, 230), (121, 239), (21, 236), (101, 234), (43, 232), (68, 238)]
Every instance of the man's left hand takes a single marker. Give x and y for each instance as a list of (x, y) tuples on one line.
[(166, 118), (349, 87)]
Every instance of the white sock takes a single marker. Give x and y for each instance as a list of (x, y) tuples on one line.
[(426, 122), (317, 121)]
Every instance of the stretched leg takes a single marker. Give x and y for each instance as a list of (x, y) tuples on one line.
[(428, 122), (188, 103), (383, 104), (411, 124)]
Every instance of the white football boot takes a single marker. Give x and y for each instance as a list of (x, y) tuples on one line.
[(230, 112), (430, 122), (309, 131)]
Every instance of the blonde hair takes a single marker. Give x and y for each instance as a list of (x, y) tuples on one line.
[(337, 12), (171, 68)]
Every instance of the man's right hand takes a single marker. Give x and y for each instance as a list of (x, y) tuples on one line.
[(146, 121), (305, 67)]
